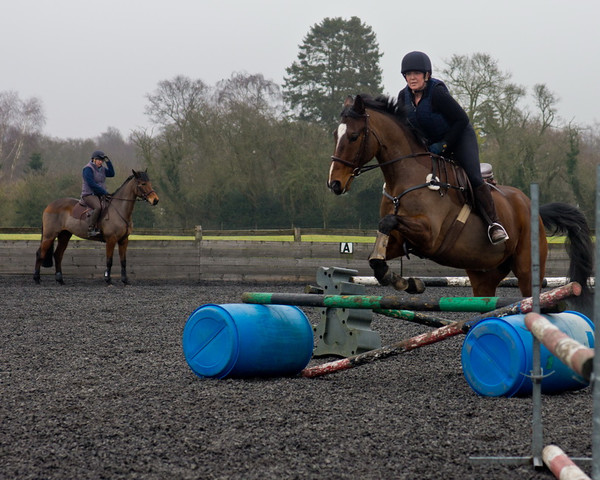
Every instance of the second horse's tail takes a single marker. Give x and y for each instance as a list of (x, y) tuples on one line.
[(563, 219)]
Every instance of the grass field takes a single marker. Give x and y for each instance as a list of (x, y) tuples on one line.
[(250, 238)]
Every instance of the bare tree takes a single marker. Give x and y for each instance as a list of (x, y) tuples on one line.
[(20, 120), (176, 101), (258, 93), (545, 101)]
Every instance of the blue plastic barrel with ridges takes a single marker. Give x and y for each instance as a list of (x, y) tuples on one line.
[(497, 356), (242, 340)]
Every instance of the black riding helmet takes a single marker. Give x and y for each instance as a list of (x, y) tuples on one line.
[(416, 62), (99, 154)]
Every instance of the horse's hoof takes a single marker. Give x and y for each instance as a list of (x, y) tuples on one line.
[(415, 285), (399, 283)]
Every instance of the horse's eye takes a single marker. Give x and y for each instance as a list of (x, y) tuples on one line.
[(353, 137)]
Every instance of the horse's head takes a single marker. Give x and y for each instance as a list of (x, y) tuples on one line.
[(143, 187), (354, 146)]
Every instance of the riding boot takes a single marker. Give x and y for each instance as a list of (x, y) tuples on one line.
[(92, 230), (485, 203)]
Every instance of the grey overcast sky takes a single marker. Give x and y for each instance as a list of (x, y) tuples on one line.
[(92, 62)]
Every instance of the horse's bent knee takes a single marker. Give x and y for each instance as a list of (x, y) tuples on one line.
[(388, 223)]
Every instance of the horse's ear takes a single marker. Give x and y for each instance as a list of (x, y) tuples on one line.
[(359, 105), (135, 174), (349, 101)]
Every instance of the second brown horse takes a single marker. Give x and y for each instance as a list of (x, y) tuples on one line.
[(66, 216)]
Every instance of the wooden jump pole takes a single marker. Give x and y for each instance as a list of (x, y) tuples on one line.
[(548, 298), (576, 356), (372, 302), (561, 465)]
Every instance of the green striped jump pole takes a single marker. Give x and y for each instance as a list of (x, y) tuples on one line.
[(549, 298), (376, 302)]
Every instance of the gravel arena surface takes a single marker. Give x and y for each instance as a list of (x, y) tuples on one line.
[(95, 386)]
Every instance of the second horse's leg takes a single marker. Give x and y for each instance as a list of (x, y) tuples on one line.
[(123, 257), (61, 245), (110, 249)]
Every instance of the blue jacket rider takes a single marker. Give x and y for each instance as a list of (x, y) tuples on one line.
[(93, 186), (437, 116)]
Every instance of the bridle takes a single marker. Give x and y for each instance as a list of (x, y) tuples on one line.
[(357, 169), (432, 180), (138, 196), (144, 195)]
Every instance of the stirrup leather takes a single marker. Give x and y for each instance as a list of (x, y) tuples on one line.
[(489, 232)]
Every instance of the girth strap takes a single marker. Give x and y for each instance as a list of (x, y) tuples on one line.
[(454, 230)]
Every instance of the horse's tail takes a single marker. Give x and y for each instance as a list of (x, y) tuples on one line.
[(564, 219)]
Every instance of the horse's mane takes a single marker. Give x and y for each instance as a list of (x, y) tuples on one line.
[(142, 175), (381, 103), (388, 106)]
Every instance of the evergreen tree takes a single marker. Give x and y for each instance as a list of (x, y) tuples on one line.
[(337, 58)]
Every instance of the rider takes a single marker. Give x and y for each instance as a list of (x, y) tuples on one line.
[(447, 129), (93, 187)]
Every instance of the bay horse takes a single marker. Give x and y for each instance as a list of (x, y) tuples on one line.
[(426, 207), (67, 216)]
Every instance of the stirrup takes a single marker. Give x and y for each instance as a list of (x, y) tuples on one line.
[(92, 232), (499, 228)]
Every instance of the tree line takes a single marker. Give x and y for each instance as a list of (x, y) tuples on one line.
[(249, 153)]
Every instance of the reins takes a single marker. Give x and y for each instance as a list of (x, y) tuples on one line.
[(433, 180)]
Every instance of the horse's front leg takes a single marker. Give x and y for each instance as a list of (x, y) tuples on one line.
[(389, 246), (123, 257), (110, 249), (381, 252)]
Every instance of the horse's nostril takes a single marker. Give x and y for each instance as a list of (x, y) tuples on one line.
[(335, 187)]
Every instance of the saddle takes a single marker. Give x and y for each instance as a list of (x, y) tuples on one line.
[(81, 211)]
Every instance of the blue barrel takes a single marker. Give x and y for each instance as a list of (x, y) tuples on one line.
[(243, 340), (497, 355)]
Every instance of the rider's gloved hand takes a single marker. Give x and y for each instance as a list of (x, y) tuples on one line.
[(437, 148)]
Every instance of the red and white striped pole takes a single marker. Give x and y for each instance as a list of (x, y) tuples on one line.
[(576, 356), (561, 465)]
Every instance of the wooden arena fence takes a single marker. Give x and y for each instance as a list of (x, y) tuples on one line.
[(204, 256)]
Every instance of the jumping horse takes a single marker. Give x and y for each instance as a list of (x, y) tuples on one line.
[(68, 216), (426, 207)]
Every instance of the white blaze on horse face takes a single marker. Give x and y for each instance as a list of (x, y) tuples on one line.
[(341, 131)]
